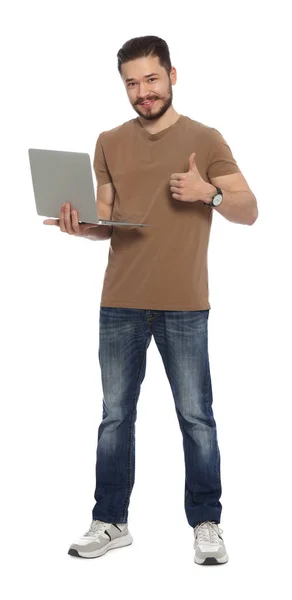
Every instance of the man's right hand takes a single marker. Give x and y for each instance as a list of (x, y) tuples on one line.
[(68, 222)]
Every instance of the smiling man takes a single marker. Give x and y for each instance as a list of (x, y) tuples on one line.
[(171, 171)]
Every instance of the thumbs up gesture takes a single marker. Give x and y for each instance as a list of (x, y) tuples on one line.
[(190, 186)]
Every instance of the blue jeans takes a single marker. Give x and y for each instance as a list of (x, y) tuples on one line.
[(182, 340)]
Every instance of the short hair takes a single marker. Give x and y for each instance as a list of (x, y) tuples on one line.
[(144, 46)]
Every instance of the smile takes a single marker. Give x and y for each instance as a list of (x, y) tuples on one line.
[(148, 103)]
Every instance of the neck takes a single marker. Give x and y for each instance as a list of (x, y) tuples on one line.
[(156, 125)]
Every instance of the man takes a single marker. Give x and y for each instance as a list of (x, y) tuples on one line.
[(172, 172)]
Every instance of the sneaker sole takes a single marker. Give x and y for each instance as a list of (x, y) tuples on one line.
[(211, 560), (117, 543)]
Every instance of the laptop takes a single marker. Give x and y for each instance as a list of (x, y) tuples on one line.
[(59, 176)]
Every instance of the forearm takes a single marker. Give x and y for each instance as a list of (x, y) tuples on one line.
[(237, 207), (100, 232)]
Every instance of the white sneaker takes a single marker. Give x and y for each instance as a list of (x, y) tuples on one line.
[(209, 545), (100, 538)]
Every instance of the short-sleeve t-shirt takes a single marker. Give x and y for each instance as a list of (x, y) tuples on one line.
[(162, 267)]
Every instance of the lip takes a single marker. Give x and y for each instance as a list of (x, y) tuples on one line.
[(148, 103)]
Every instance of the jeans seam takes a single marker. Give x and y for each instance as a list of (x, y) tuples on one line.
[(130, 437)]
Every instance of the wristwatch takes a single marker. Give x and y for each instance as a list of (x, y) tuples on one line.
[(217, 199)]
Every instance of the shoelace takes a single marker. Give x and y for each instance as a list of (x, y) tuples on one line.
[(96, 527), (207, 532)]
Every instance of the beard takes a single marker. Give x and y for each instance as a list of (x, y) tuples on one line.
[(157, 110)]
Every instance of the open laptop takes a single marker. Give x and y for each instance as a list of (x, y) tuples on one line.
[(59, 176)]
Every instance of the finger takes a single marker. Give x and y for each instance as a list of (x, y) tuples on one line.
[(62, 219), (68, 224), (51, 222), (176, 183), (178, 176), (176, 189), (75, 222)]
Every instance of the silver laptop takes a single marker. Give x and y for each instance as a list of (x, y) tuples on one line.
[(59, 176)]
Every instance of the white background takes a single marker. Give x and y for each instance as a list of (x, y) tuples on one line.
[(60, 89)]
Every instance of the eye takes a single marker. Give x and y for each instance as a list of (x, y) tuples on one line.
[(150, 78)]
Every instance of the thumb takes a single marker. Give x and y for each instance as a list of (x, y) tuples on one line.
[(192, 162), (51, 222)]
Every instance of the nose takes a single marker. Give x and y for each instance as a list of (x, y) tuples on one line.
[(143, 92)]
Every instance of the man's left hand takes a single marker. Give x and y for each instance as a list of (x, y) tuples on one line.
[(190, 186)]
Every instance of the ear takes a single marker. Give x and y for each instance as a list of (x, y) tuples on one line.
[(173, 76)]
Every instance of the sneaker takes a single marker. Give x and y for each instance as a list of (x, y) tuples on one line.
[(100, 538), (209, 545)]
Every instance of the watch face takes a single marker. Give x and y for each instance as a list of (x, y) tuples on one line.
[(217, 199)]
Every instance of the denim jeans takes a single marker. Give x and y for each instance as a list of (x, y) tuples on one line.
[(182, 340)]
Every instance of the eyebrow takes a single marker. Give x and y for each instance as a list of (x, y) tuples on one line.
[(145, 77)]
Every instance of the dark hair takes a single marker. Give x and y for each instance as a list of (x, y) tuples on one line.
[(145, 46)]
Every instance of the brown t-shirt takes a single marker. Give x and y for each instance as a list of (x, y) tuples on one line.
[(164, 266)]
